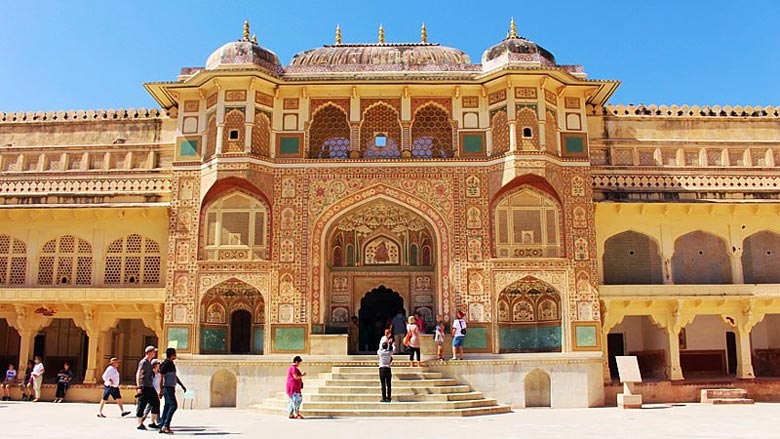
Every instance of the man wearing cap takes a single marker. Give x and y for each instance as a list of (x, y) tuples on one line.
[(144, 383), (111, 387)]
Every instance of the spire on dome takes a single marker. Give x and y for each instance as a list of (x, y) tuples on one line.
[(338, 34), (424, 34), (381, 34), (512, 29), (246, 30), (254, 38)]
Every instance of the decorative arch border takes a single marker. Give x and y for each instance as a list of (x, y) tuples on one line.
[(336, 210), (534, 183)]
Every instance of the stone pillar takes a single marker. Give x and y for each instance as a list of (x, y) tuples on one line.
[(737, 275), (26, 346), (220, 131), (90, 373), (674, 370), (406, 139), (744, 353), (512, 135)]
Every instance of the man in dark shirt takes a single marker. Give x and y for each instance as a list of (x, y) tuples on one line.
[(144, 382), (169, 379)]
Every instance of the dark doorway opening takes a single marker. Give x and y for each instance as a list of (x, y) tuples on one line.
[(241, 332), (731, 352), (615, 348), (377, 309), (39, 345)]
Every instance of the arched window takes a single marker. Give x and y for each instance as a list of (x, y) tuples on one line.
[(211, 137), (236, 228), (233, 132), (431, 133), (66, 260), (761, 257), (701, 258), (380, 133), (13, 261), (527, 226), (500, 129), (529, 317), (261, 134), (631, 258), (329, 134), (132, 260)]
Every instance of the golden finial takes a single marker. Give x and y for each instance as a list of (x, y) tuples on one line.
[(381, 34), (246, 30), (512, 29), (424, 34), (338, 34), (254, 38)]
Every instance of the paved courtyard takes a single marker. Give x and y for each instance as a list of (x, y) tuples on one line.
[(46, 420)]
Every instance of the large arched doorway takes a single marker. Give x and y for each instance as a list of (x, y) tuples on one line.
[(232, 319), (529, 317), (380, 242), (377, 309)]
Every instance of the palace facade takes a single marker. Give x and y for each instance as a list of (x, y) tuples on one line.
[(262, 205)]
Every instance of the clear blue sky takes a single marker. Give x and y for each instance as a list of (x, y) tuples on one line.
[(82, 54)]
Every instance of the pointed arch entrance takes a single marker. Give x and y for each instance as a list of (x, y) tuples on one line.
[(379, 242), (529, 317), (232, 319), (377, 309), (325, 284)]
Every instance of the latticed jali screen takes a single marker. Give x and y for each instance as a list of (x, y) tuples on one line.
[(381, 120), (66, 260), (13, 261), (329, 134), (133, 260), (431, 133)]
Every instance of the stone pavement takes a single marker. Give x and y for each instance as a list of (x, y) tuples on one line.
[(46, 420)]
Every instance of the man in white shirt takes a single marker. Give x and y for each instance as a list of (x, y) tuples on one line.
[(458, 335), (37, 376), (111, 388)]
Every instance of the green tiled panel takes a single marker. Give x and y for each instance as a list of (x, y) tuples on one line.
[(188, 148), (289, 339), (257, 340), (586, 336), (179, 338), (476, 338), (472, 144), (575, 145), (289, 145), (530, 339), (213, 340)]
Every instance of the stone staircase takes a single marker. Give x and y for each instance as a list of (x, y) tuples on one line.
[(725, 396), (355, 391)]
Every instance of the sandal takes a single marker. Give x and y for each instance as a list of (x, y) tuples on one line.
[(298, 416), (101, 415)]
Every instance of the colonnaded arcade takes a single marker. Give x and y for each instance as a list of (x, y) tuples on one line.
[(262, 205)]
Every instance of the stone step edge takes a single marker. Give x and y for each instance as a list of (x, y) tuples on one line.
[(479, 411), (728, 401)]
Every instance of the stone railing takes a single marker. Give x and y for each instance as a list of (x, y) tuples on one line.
[(685, 111), (691, 157), (81, 115), (80, 158)]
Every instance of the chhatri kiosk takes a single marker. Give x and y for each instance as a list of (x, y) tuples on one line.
[(263, 205)]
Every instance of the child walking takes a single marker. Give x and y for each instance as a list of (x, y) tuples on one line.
[(438, 337)]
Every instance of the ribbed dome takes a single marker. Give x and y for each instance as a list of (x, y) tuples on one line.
[(243, 53), (517, 49), (384, 57)]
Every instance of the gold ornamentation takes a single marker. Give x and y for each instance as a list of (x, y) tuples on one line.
[(246, 30), (381, 34), (338, 34), (512, 28), (424, 34)]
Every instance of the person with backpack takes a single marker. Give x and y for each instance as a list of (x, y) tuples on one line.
[(458, 335)]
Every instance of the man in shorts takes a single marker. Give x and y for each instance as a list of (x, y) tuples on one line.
[(458, 335), (111, 388), (144, 384)]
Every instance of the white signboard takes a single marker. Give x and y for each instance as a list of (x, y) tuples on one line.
[(628, 368)]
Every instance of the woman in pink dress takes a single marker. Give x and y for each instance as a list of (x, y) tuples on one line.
[(294, 387)]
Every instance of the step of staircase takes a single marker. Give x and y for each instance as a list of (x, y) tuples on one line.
[(350, 391), (725, 396)]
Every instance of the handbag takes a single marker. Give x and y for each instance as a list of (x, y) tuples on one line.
[(407, 338), (462, 329)]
